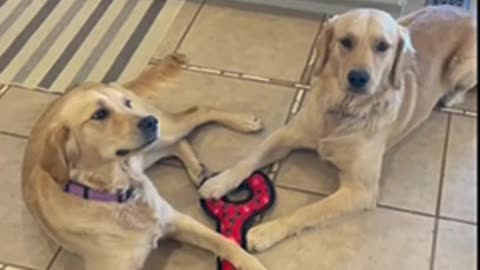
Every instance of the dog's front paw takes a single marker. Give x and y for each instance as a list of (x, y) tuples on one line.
[(252, 264), (248, 123), (203, 174), (264, 236), (217, 186)]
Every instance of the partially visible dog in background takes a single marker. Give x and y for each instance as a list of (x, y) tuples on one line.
[(378, 79), (83, 172)]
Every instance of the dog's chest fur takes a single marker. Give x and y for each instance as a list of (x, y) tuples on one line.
[(361, 114), (351, 121)]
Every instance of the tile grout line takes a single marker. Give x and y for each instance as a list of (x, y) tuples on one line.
[(379, 205), (34, 89), (237, 75), (286, 83), (307, 70), (299, 98), (313, 53), (3, 89), (451, 219), (439, 194), (15, 135), (458, 111), (54, 258), (5, 265), (190, 25)]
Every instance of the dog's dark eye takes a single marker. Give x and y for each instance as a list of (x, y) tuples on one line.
[(128, 103), (382, 46), (346, 43), (100, 114)]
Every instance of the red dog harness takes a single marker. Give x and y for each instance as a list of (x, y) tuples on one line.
[(234, 218)]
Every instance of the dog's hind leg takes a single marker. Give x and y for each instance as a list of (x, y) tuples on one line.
[(174, 128), (186, 229), (465, 83), (180, 124), (462, 72), (156, 77)]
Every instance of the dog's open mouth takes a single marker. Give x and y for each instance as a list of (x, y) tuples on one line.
[(124, 152)]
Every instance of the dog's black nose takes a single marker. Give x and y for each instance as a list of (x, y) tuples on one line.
[(148, 125), (358, 78)]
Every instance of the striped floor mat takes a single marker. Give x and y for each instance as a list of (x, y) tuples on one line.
[(51, 44)]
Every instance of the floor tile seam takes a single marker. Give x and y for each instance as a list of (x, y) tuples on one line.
[(434, 245), (307, 70), (286, 83), (4, 89), (425, 214), (13, 134), (5, 265), (458, 220), (379, 205), (34, 89), (53, 259), (189, 26), (237, 75), (458, 111)]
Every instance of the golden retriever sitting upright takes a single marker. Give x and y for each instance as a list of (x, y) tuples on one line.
[(83, 172), (378, 79)]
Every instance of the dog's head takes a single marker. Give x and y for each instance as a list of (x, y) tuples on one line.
[(96, 124), (363, 49), (96, 130)]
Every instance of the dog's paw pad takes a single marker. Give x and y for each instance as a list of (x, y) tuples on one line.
[(258, 239), (216, 187), (264, 236)]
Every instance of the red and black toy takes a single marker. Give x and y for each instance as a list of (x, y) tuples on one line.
[(234, 218)]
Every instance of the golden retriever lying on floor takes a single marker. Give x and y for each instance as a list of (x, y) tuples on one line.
[(83, 176), (378, 79)]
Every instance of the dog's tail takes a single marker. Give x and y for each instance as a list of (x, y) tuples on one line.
[(158, 76)]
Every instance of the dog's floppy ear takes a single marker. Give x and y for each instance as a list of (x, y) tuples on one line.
[(59, 151), (323, 47), (403, 57), (157, 76)]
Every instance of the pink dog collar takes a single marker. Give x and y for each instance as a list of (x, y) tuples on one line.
[(87, 193)]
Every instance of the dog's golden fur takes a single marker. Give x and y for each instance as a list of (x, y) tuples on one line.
[(91, 135), (424, 58)]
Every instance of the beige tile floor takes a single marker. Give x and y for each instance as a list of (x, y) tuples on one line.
[(427, 214)]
